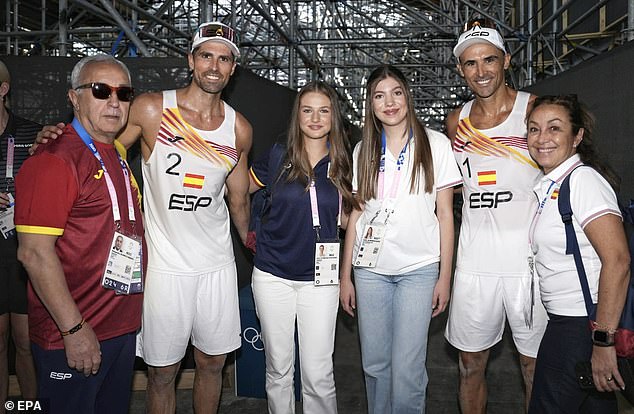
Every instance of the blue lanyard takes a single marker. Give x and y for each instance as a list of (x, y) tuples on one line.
[(541, 204), (399, 163), (538, 213), (83, 134), (401, 157)]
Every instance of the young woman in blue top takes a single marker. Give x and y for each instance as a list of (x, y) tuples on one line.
[(403, 178), (310, 193)]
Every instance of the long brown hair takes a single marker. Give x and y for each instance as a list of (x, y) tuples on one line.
[(580, 117), (299, 168), (370, 153)]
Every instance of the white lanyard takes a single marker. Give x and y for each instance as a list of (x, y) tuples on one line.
[(314, 207), (111, 190), (10, 156)]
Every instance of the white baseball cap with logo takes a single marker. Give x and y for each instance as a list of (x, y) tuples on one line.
[(478, 34), (217, 32)]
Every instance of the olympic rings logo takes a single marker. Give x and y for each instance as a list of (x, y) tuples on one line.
[(253, 337)]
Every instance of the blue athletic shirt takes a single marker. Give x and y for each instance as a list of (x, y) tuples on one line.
[(286, 242)]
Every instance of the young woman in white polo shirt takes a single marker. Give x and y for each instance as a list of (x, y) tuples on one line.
[(403, 179), (560, 141)]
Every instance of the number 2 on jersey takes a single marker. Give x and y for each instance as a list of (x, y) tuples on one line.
[(169, 170)]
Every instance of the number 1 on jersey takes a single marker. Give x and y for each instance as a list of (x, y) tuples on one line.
[(466, 164)]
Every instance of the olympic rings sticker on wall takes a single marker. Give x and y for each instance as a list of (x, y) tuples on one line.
[(252, 336)]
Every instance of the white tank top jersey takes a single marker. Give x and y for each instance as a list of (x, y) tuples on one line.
[(498, 179), (186, 217)]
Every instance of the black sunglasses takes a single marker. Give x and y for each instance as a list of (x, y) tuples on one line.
[(481, 22), (104, 91)]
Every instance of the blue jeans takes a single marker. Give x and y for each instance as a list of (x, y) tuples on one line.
[(394, 312)]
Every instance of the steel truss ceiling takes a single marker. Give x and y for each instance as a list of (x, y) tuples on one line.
[(292, 42)]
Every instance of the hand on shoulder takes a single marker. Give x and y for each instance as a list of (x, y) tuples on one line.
[(47, 133)]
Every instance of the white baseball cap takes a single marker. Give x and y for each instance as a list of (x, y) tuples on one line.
[(478, 34), (218, 32)]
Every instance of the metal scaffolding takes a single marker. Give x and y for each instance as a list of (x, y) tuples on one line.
[(294, 41)]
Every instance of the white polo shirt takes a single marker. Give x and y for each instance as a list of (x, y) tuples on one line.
[(412, 237), (590, 197)]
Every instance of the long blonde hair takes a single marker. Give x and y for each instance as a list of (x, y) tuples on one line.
[(370, 153), (299, 168)]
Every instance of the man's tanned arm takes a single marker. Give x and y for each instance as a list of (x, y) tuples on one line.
[(238, 181)]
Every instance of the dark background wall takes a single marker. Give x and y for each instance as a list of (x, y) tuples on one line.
[(606, 84)]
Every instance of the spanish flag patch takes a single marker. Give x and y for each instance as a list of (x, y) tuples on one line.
[(487, 177), (555, 194), (194, 181)]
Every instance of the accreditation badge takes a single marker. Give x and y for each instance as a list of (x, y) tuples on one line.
[(123, 271), (7, 226), (371, 243), (136, 284), (327, 263)]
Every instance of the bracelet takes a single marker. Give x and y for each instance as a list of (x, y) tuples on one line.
[(74, 328), (605, 328)]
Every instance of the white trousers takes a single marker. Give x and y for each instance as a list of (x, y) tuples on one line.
[(279, 303)]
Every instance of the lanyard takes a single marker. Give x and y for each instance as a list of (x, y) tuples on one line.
[(111, 191), (397, 174), (314, 207), (10, 157), (538, 213)]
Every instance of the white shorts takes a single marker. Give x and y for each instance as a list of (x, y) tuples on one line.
[(480, 306), (177, 308)]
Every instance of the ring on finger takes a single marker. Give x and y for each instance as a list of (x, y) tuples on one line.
[(608, 379)]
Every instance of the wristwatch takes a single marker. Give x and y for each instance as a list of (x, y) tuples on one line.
[(602, 338)]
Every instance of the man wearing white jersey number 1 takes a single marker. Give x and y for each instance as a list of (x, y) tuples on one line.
[(194, 148), (493, 282)]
